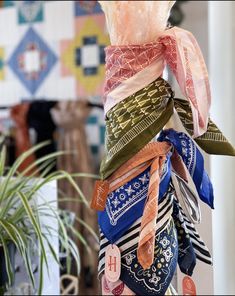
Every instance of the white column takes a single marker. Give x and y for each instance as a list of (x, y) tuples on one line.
[(222, 77)]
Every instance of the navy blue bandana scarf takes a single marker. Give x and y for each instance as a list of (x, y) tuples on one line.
[(126, 204), (193, 160), (156, 279), (130, 238)]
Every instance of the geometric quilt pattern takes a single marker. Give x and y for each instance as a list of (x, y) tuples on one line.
[(32, 60), (29, 11), (2, 63), (51, 50), (55, 50), (95, 130), (83, 57), (83, 8)]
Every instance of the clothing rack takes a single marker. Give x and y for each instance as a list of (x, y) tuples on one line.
[(90, 104), (95, 105)]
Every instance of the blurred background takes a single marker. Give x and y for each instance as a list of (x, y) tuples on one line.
[(52, 67)]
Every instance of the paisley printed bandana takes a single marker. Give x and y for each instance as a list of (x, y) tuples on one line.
[(126, 204), (131, 237), (212, 141), (134, 122), (194, 162), (156, 279), (119, 288)]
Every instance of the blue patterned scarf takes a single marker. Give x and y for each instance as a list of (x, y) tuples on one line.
[(126, 204), (193, 160), (156, 279)]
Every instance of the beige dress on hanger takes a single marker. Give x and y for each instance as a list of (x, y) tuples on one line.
[(70, 117)]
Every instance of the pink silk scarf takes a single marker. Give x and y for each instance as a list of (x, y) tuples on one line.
[(129, 68)]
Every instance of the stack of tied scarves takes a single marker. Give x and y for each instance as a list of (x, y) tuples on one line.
[(153, 188)]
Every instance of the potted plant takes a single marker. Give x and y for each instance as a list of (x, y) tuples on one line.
[(20, 215)]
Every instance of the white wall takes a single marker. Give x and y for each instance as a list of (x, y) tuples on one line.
[(213, 25), (222, 70)]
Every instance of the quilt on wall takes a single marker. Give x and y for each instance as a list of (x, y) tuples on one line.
[(54, 50), (51, 50)]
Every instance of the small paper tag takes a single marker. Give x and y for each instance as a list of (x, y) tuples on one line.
[(100, 195), (112, 263)]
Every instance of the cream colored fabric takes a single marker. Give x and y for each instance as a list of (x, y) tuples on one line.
[(136, 22)]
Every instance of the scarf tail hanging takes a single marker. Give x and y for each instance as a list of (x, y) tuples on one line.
[(186, 61)]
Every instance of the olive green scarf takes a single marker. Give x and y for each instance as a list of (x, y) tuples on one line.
[(135, 121), (212, 141)]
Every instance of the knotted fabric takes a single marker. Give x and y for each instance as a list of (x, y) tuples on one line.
[(134, 122), (132, 67), (146, 245), (194, 162), (138, 163), (212, 141)]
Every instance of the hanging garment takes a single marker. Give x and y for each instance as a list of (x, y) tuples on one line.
[(131, 237), (134, 122), (157, 153), (70, 117), (139, 65), (19, 115), (187, 196), (125, 204), (128, 245), (194, 162), (191, 245), (157, 278), (39, 118), (212, 141)]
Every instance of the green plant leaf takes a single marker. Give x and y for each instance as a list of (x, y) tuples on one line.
[(16, 165), (40, 275), (2, 160), (34, 222), (7, 260)]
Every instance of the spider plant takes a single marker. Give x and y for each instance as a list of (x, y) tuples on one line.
[(20, 214)]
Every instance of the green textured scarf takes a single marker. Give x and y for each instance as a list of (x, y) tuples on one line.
[(212, 141), (134, 122)]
